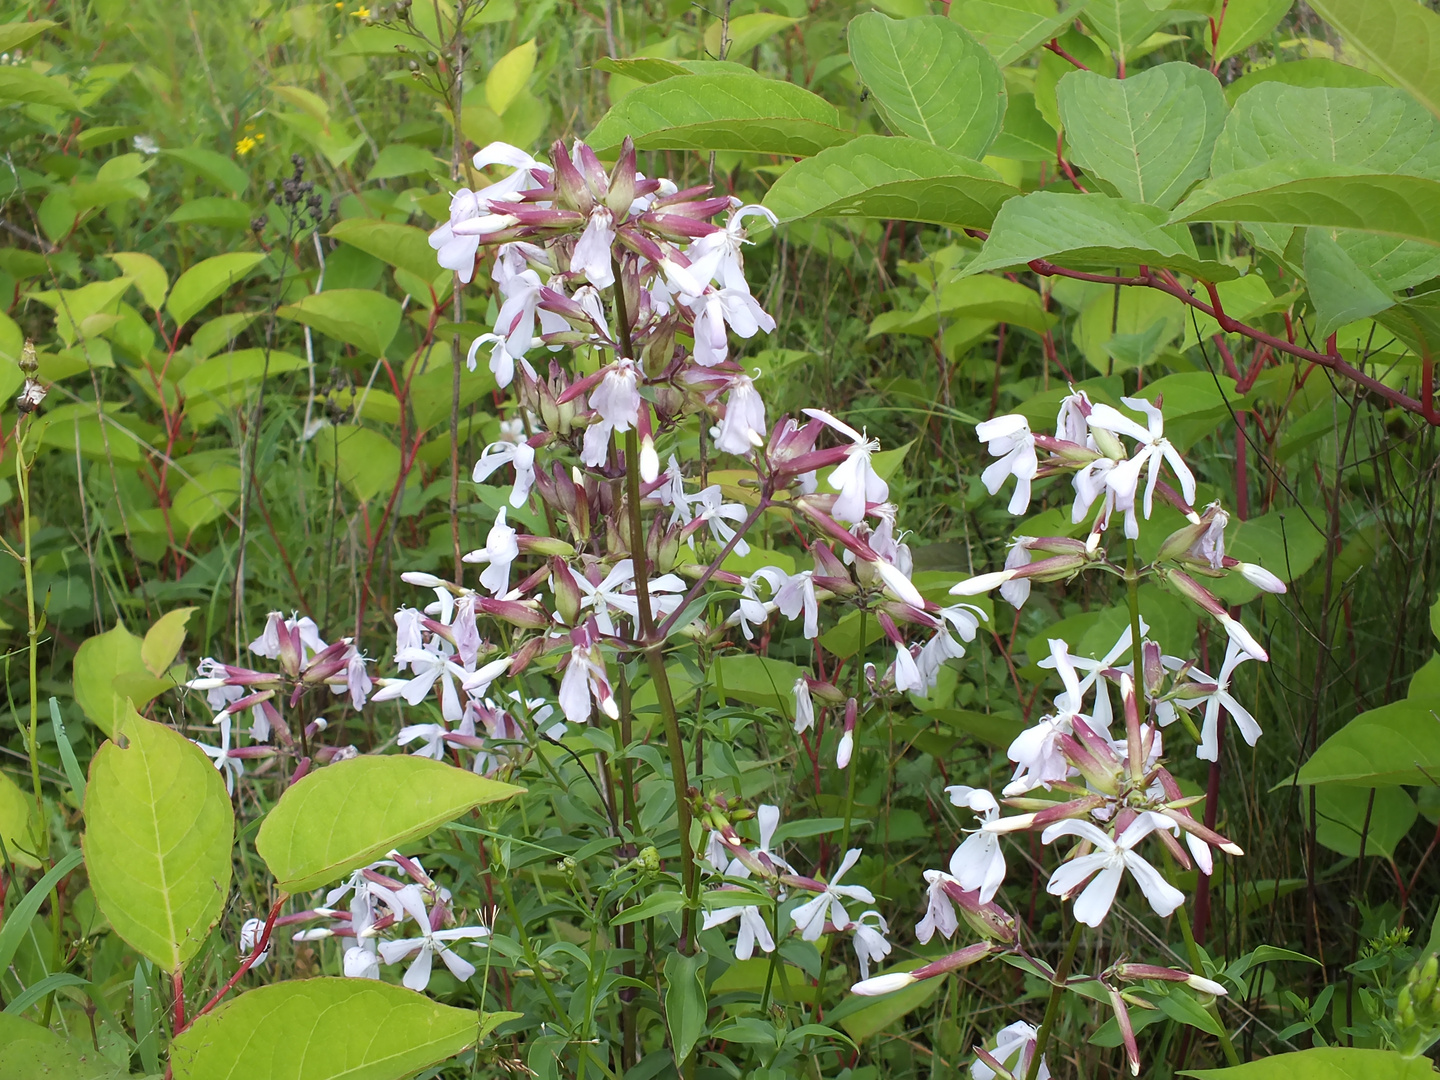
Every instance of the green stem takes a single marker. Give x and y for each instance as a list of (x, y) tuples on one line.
[(22, 478), (1197, 966), (531, 957), (1052, 1007), (1132, 593)]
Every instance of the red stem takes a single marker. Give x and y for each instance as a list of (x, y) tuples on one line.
[(177, 981), (245, 964)]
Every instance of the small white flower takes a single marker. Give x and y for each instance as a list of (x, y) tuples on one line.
[(939, 909), (804, 705), (500, 550), (811, 916), (430, 944), (1104, 868), (250, 934), (752, 929), (519, 455), (1216, 695), (1124, 478), (978, 863), (1009, 439), (869, 941), (854, 478), (742, 430), (1018, 1042)]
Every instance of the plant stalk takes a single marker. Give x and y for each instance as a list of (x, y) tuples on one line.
[(1052, 1007)]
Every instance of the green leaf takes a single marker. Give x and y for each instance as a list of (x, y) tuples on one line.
[(361, 317), (884, 1011), (658, 903), (746, 32), (1124, 24), (1180, 1005), (163, 640), (1148, 136), (885, 178), (108, 668), (1246, 22), (1326, 196), (33, 1052), (1396, 744), (399, 245), (1325, 1063), (1316, 71), (218, 169), (368, 462), (212, 210), (403, 159), (1341, 290), (1341, 814), (1026, 135), (1010, 29), (346, 815), (1400, 39), (33, 993), (18, 919), (995, 298), (15, 34), (29, 86), (158, 831), (206, 496), (1092, 232), (147, 274), (235, 368), (722, 112), (685, 1001), (207, 280), (756, 680), (1282, 541), (17, 822), (351, 1028), (997, 731), (508, 76), (930, 79)]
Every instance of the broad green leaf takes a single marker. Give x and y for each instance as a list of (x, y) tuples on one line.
[(1026, 134), (509, 75), (884, 1011), (653, 69), (1282, 541), (220, 170), (1124, 24), (403, 159), (307, 101), (1325, 1063), (1342, 290), (352, 1028), (158, 831), (1315, 71), (147, 274), (234, 368), (987, 297), (163, 640), (219, 333), (657, 903), (1415, 321), (930, 79), (1400, 39), (722, 112), (1149, 136), (1090, 231), (346, 815), (746, 32), (1052, 68), (1125, 331), (206, 496), (213, 210), (15, 34), (33, 1052), (1377, 128), (1394, 744), (360, 317), (756, 680), (17, 822), (207, 280), (1342, 813), (75, 308), (685, 1001), (29, 86), (399, 245), (891, 178), (1314, 194), (368, 462), (109, 668), (1180, 1005), (1012, 28), (1246, 22)]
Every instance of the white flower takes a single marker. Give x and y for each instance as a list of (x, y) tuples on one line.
[(584, 677), (718, 308), (1261, 578), (1016, 590), (742, 429), (812, 915), (454, 251), (1010, 440), (500, 551), (752, 929), (232, 768), (939, 909), (250, 934), (432, 943), (1070, 423), (1016, 1041), (869, 941), (716, 513), (1124, 478), (1216, 695), (798, 595), (854, 478), (978, 863), (1038, 757), (428, 665), (728, 241), (527, 172), (520, 455), (616, 591), (768, 817), (592, 251), (1107, 865), (804, 705), (907, 673), (617, 401), (361, 961), (430, 736)]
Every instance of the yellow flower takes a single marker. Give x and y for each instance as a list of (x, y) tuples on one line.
[(245, 145), (362, 12), (339, 5)]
